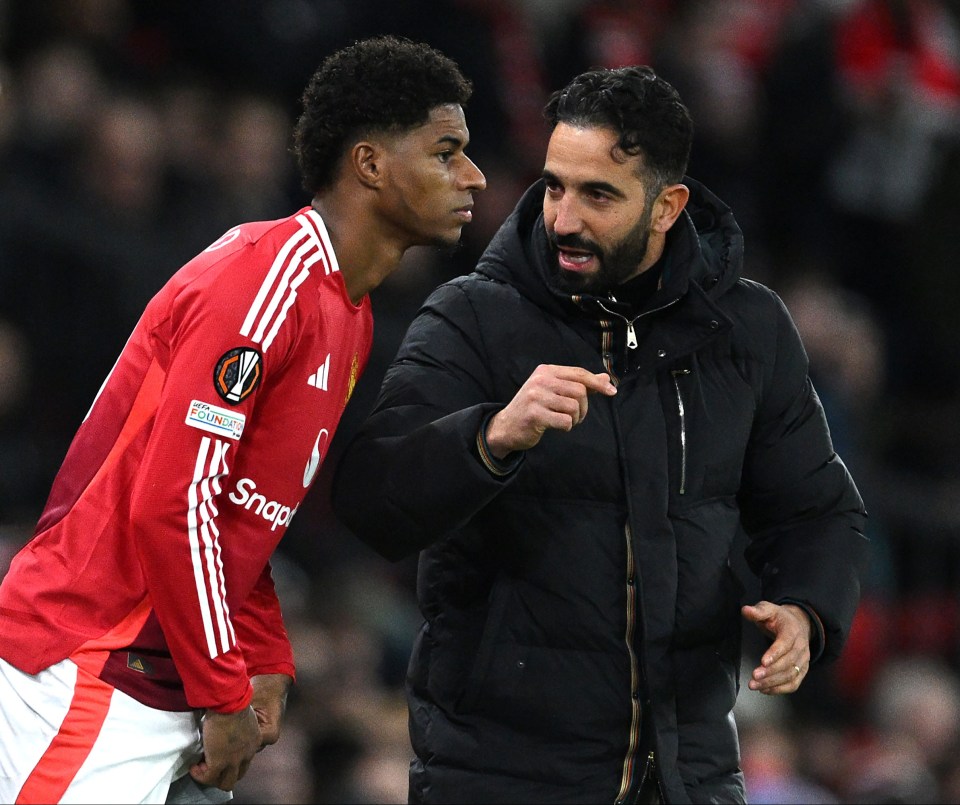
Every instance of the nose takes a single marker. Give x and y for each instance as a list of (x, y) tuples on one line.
[(472, 178), (566, 219)]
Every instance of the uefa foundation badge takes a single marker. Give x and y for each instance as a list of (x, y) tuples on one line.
[(213, 419)]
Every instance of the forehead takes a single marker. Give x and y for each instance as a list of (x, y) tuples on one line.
[(448, 114), (585, 155), (445, 122)]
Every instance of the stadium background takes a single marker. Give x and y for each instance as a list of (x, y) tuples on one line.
[(132, 134)]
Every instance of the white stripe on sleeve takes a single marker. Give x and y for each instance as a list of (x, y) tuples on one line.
[(211, 465)]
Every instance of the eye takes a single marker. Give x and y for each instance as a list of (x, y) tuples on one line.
[(445, 156), (554, 188)]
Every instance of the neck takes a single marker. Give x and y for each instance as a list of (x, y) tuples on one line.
[(367, 255)]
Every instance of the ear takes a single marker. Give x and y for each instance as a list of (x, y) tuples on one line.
[(668, 206), (366, 162)]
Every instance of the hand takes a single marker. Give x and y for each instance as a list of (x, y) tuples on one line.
[(230, 740), (786, 662), (553, 397), (270, 703)]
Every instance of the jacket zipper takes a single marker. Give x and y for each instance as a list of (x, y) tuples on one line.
[(648, 769), (683, 429), (631, 330), (630, 760)]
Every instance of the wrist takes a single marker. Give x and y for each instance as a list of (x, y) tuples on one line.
[(817, 639), (493, 438), (496, 459)]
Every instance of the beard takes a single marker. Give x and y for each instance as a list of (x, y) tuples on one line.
[(617, 264)]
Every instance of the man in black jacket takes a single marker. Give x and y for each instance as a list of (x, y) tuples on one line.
[(576, 436)]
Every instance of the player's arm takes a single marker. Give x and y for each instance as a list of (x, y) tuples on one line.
[(196, 572)]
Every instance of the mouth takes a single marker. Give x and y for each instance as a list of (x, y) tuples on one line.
[(465, 213), (575, 260)]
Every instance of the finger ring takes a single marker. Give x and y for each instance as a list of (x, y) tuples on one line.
[(798, 670)]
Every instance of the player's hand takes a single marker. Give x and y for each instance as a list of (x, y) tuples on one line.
[(270, 703), (553, 397), (786, 662), (230, 740)]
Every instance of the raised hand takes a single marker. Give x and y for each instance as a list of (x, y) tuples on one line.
[(553, 397)]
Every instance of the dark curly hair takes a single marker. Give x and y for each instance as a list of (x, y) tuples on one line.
[(644, 110), (382, 84)]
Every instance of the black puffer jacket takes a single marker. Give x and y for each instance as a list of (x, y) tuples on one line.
[(595, 582)]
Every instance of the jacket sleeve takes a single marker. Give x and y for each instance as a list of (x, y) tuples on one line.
[(412, 472), (799, 504), (261, 633)]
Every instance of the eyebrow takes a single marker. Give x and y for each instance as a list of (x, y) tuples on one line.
[(604, 187), (453, 140)]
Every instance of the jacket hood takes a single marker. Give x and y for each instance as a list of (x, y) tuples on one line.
[(705, 246)]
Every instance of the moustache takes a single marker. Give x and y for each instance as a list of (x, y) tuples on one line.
[(574, 242)]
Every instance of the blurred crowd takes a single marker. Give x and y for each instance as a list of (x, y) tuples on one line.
[(133, 134)]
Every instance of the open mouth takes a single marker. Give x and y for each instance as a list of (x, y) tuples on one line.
[(575, 260)]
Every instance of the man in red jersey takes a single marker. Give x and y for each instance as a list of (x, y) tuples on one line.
[(141, 637)]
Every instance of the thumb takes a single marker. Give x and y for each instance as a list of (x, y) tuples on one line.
[(761, 614), (758, 612)]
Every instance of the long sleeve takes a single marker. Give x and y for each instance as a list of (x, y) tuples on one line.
[(191, 560), (418, 447), (799, 504)]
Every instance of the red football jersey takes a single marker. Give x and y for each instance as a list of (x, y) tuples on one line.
[(150, 562)]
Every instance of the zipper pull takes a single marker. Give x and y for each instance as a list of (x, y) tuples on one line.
[(631, 336)]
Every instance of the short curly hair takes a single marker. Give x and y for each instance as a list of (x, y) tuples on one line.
[(382, 84), (642, 108)]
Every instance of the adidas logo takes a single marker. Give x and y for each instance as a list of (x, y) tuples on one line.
[(137, 663), (319, 378)]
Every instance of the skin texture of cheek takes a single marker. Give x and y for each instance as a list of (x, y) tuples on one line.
[(417, 205)]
